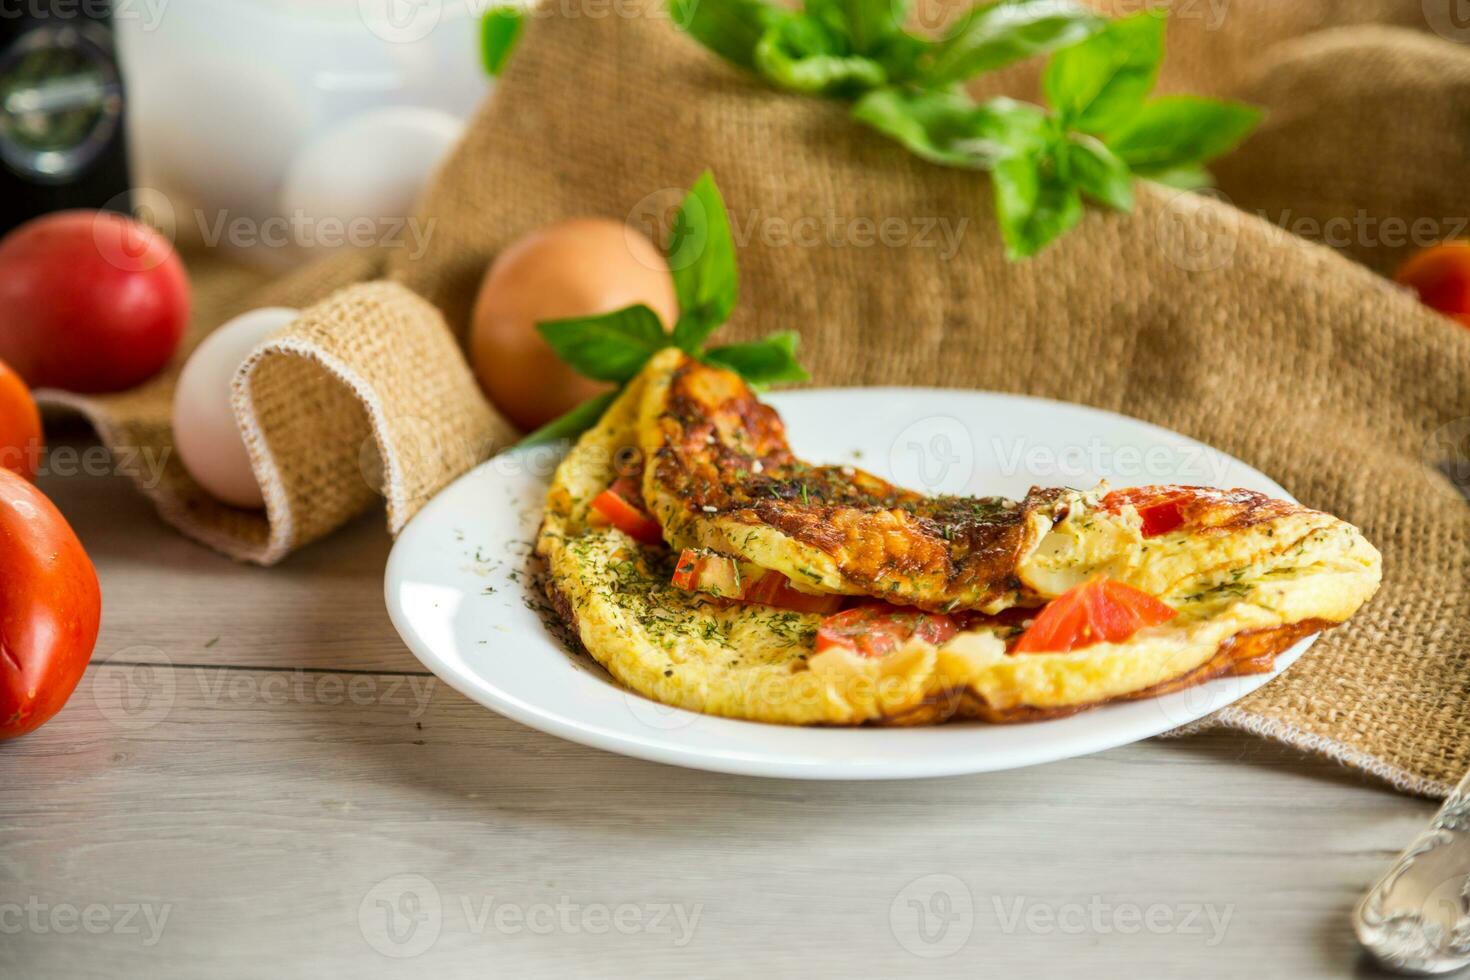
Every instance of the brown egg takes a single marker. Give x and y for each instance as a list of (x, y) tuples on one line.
[(573, 268)]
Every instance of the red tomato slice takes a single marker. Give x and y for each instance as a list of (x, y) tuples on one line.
[(719, 575), (1159, 507), (613, 504), (698, 571), (774, 589), (879, 628), (1097, 610)]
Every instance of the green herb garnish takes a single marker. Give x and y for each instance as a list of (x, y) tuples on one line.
[(615, 346), (1098, 133), (500, 30)]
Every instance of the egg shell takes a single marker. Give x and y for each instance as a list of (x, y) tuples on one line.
[(574, 268), (371, 166), (206, 435)]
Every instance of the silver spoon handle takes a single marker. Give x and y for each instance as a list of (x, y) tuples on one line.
[(1417, 918)]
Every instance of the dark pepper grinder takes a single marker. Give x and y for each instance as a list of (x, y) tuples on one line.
[(62, 141)]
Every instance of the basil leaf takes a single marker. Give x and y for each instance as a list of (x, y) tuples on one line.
[(1097, 85), (1033, 203), (997, 34), (931, 125), (901, 56), (701, 257), (500, 29), (610, 347), (573, 423), (802, 55), (948, 128), (762, 362), (1098, 173), (865, 24), (1180, 131), (729, 28)]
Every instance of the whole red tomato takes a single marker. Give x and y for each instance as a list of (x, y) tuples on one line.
[(90, 301), (20, 425), (1440, 275), (50, 608)]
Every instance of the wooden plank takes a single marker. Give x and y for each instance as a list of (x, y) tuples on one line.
[(268, 828), (168, 599)]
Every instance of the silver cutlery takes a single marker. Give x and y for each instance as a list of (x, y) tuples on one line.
[(1416, 920)]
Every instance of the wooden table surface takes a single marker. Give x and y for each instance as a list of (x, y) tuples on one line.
[(256, 779)]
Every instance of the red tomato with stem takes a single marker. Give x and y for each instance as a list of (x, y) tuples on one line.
[(1440, 274), (1098, 610), (20, 425), (50, 608), (90, 301), (878, 628)]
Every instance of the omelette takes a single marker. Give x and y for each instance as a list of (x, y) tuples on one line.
[(707, 567)]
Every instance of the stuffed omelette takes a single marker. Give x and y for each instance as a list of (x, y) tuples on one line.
[(706, 567)]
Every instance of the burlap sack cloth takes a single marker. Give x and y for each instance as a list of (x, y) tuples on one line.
[(1190, 312)]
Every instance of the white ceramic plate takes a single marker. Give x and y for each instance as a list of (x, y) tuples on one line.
[(461, 591)]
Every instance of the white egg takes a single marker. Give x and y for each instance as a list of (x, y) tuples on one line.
[(367, 169), (206, 436)]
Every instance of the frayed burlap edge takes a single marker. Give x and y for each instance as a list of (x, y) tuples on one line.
[(387, 407), (1298, 738), (364, 396)]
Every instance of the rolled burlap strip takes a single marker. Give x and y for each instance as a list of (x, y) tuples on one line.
[(1189, 312)]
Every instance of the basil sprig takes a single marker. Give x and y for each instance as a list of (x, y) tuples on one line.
[(1098, 132), (615, 346), (500, 31)]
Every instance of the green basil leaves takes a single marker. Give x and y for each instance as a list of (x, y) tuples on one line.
[(615, 346), (1099, 131)]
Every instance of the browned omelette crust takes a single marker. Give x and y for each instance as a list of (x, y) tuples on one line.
[(1251, 652), (725, 455), (1207, 509)]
